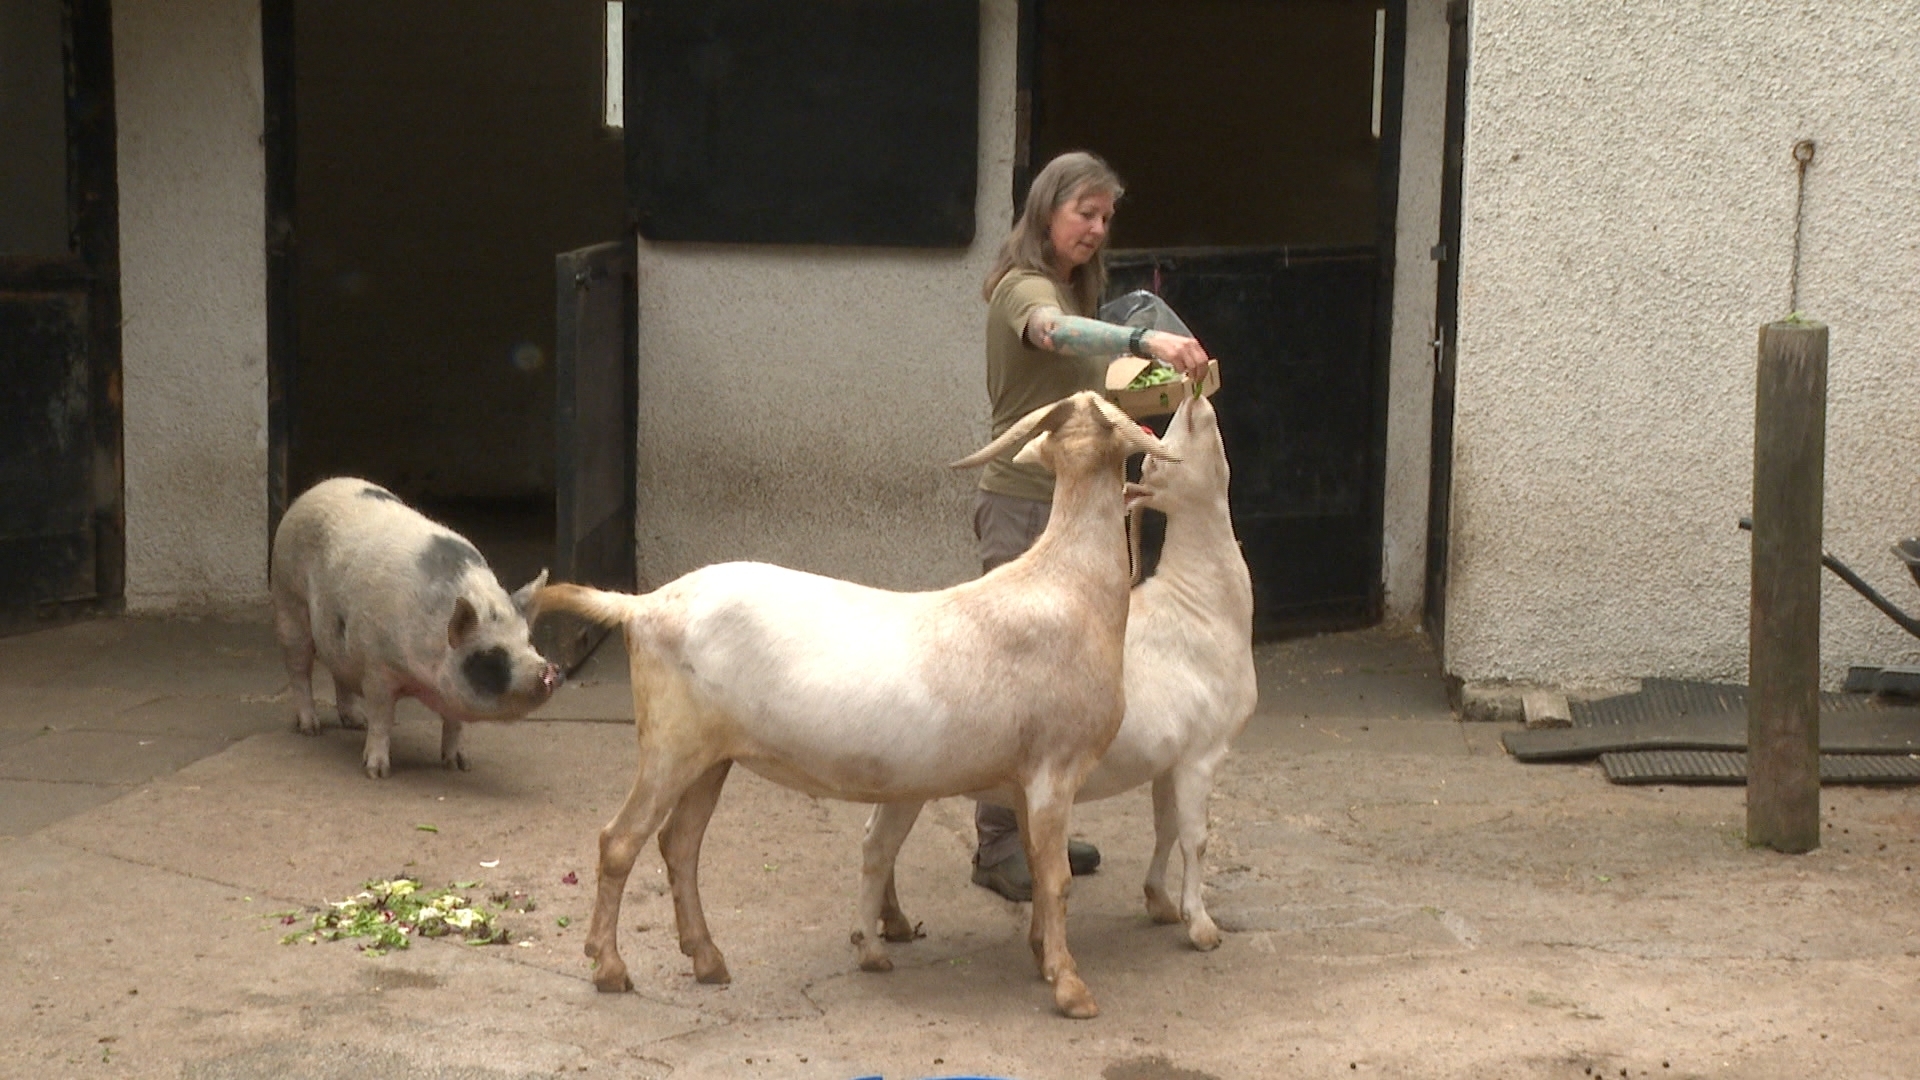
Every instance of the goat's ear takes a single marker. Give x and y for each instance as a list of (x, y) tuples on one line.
[(1030, 454), (1044, 418), (523, 596)]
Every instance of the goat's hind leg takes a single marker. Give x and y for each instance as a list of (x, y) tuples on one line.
[(1043, 829), (1166, 833), (1192, 784), (680, 840), (887, 829), (656, 790)]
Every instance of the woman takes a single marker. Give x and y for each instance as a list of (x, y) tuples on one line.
[(1043, 344)]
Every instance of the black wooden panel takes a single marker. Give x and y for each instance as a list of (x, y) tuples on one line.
[(62, 540), (595, 387), (828, 122), (1294, 330), (46, 449)]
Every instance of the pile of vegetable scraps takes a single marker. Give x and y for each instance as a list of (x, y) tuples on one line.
[(390, 913)]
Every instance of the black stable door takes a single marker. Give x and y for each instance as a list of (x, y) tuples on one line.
[(62, 551)]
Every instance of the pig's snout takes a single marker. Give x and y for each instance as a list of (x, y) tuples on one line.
[(551, 677)]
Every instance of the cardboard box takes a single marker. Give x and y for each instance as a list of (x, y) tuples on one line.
[(1154, 400)]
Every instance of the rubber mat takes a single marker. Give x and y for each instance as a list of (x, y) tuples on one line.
[(1668, 714), (1660, 700), (1730, 767)]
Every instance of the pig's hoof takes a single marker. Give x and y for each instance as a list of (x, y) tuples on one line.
[(306, 724), (378, 768), (353, 721), (456, 760)]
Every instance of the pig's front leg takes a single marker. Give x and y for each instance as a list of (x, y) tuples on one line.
[(451, 728), (377, 706)]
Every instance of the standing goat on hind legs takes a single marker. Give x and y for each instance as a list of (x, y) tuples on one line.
[(1011, 681), (1190, 685)]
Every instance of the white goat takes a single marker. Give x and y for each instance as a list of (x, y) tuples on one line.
[(1008, 682), (1189, 680)]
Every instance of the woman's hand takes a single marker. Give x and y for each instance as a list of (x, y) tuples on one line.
[(1183, 354)]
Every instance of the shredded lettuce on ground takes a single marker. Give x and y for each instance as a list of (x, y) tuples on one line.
[(389, 914)]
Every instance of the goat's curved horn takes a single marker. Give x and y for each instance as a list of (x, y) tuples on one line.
[(1137, 439), (1044, 418)]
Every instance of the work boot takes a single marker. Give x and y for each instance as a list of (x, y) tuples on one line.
[(1011, 878)]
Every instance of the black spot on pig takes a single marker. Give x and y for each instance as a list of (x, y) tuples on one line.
[(447, 557), (372, 492), (488, 671)]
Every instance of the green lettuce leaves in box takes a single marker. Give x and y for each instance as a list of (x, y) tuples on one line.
[(1155, 374)]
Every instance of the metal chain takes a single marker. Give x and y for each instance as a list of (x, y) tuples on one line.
[(1802, 156)]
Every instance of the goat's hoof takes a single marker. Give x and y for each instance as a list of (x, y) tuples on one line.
[(872, 955), (710, 968), (1160, 906), (1073, 999), (609, 975), (902, 931), (613, 980), (1204, 935)]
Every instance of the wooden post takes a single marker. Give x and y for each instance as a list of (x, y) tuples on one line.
[(1783, 651)]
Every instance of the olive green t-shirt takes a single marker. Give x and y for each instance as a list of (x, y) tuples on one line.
[(1022, 378)]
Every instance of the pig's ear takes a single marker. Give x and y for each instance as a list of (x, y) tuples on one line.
[(524, 595), (464, 622)]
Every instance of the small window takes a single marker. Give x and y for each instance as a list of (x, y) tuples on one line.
[(773, 122), (613, 69)]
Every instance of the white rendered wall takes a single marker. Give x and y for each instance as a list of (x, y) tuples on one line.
[(1629, 222), (193, 299), (1403, 555), (799, 404)]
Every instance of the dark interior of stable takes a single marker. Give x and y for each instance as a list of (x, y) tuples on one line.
[(445, 152), (1234, 123)]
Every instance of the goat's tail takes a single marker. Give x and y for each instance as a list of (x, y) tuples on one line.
[(596, 605)]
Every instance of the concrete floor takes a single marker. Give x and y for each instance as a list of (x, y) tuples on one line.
[(1401, 899)]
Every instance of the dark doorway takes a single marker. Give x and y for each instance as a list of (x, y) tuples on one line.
[(62, 548), (428, 164), (1259, 143)]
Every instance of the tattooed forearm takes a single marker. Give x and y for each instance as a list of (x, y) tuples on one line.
[(1074, 335)]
